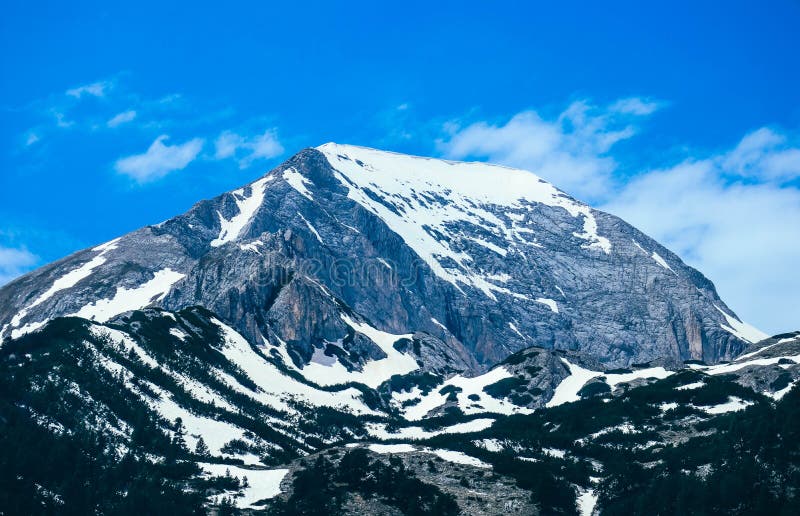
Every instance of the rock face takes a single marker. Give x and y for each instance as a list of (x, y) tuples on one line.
[(481, 259)]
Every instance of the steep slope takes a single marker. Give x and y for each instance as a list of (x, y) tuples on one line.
[(486, 260)]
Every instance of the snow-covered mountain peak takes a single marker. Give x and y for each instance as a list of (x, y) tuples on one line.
[(399, 174), (438, 206)]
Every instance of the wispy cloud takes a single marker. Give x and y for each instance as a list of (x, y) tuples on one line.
[(247, 150), (149, 117), (95, 89), (121, 118), (636, 106), (763, 155), (226, 144), (571, 150), (159, 160), (15, 261), (31, 139), (67, 109), (61, 120)]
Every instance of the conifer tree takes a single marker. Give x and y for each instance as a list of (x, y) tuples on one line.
[(201, 448), (179, 437)]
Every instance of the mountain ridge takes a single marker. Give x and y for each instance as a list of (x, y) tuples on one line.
[(464, 274)]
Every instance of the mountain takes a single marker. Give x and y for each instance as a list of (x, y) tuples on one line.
[(487, 259), (362, 332)]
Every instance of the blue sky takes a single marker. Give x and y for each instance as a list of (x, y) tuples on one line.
[(684, 118)]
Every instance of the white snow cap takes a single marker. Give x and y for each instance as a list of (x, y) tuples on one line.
[(418, 198)]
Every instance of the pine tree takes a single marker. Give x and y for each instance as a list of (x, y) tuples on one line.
[(179, 438), (201, 448)]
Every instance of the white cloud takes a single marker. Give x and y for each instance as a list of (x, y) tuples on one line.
[(95, 89), (159, 160), (765, 155), (247, 150), (730, 216), (14, 262), (121, 118), (572, 150), (264, 146), (635, 106), (61, 120), (31, 139), (226, 145)]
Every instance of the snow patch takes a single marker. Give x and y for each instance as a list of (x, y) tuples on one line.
[(741, 329), (659, 260), (276, 387), (178, 334), (549, 302), (492, 445), (777, 395), (391, 448), (469, 386), (658, 373), (125, 299), (587, 501), (448, 455), (665, 407), (252, 246), (515, 329), (625, 428), (311, 228), (733, 404), (554, 452), (567, 390), (690, 386), (379, 431), (230, 229), (124, 343), (298, 181), (264, 483), (460, 458), (215, 433), (761, 350), (735, 366), (488, 245), (66, 281), (437, 323), (373, 373), (28, 328)]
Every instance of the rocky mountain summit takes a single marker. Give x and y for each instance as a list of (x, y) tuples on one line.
[(487, 260)]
